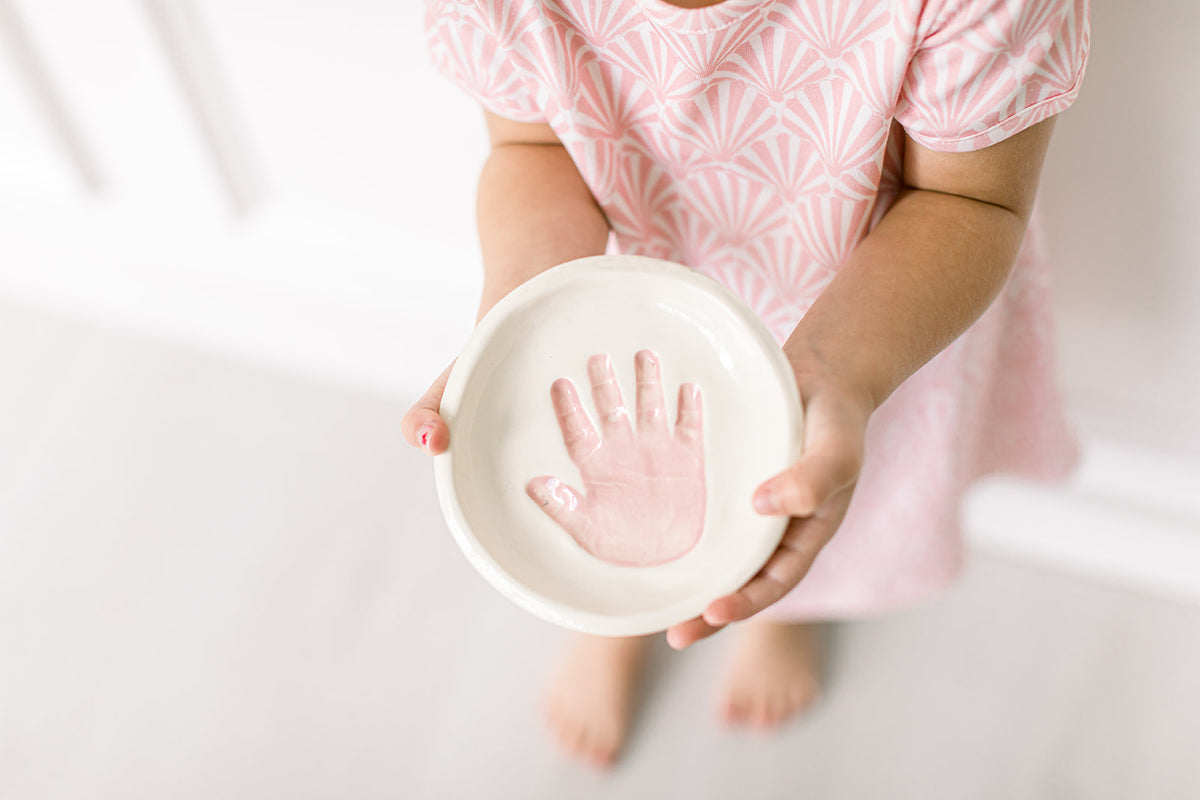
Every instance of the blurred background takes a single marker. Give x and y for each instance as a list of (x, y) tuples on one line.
[(236, 241)]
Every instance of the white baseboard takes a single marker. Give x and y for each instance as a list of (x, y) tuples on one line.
[(1130, 517), (384, 310)]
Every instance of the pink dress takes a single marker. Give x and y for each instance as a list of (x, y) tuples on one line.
[(757, 141)]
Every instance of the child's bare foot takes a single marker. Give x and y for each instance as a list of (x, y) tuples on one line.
[(590, 698), (774, 673)]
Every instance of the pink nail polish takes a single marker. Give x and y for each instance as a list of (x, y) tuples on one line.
[(425, 434)]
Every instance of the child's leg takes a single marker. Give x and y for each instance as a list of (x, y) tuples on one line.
[(590, 698), (773, 674)]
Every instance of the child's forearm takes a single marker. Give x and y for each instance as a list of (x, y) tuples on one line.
[(534, 211), (928, 270)]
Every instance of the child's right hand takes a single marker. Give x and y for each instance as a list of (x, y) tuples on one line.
[(422, 425)]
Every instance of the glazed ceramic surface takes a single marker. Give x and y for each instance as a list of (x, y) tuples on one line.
[(566, 431)]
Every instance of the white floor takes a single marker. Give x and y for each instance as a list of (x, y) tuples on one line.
[(221, 581)]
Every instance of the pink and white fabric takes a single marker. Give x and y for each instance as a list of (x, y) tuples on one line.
[(757, 141)]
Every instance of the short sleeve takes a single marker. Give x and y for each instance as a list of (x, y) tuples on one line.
[(987, 69), (467, 49)]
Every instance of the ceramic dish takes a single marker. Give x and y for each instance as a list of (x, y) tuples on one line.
[(560, 533)]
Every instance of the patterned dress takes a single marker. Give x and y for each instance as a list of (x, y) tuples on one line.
[(758, 141)]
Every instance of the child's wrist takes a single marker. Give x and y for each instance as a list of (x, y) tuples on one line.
[(817, 373)]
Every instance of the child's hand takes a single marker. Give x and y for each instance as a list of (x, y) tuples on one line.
[(422, 425), (815, 492), (643, 490)]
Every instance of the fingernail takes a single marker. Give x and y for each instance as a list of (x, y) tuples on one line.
[(764, 502), (425, 434)]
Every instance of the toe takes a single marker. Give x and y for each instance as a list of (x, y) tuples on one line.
[(602, 756), (774, 712), (609, 744), (581, 747), (782, 708), (599, 748), (801, 697), (572, 739), (760, 713), (733, 709)]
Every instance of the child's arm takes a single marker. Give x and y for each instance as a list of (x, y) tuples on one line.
[(928, 270), (534, 211)]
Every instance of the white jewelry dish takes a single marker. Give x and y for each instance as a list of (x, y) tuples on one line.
[(504, 432)]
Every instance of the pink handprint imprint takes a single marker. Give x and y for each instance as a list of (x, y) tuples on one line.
[(643, 492)]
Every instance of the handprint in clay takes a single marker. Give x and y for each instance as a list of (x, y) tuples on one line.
[(643, 491)]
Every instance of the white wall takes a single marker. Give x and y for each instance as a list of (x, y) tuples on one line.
[(290, 181), (1121, 194)]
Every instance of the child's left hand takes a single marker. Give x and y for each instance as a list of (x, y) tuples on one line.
[(815, 492)]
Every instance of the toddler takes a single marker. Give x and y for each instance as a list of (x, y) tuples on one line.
[(862, 174)]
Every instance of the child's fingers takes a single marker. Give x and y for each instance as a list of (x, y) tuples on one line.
[(689, 423), (422, 425), (786, 567), (778, 576), (606, 394), (688, 633), (579, 435), (651, 405)]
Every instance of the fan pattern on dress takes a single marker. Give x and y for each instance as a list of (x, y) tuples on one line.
[(712, 135)]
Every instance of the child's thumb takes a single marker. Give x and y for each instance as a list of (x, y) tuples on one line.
[(832, 460)]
